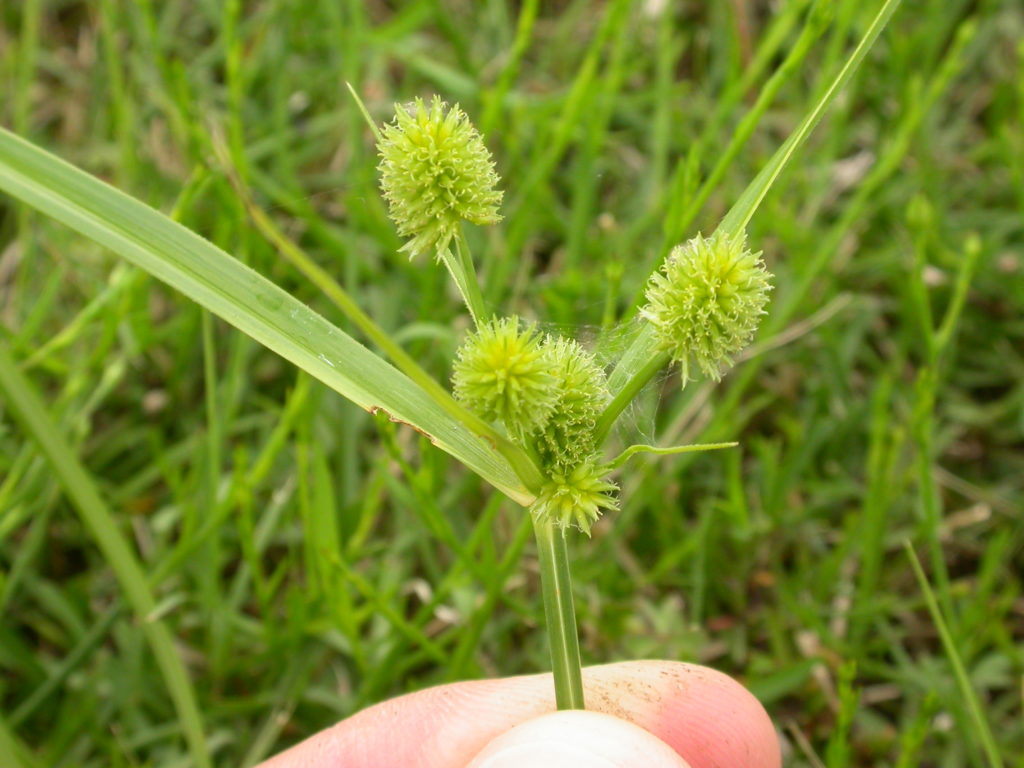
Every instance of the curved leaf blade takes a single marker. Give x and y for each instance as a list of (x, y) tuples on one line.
[(242, 297)]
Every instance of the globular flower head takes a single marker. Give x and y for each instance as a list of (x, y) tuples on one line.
[(575, 497), (435, 172), (548, 393), (503, 373), (707, 301), (582, 393)]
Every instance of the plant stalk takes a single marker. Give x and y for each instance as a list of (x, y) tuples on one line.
[(556, 587), (463, 272), (624, 396)]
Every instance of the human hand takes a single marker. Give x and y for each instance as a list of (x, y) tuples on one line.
[(641, 714)]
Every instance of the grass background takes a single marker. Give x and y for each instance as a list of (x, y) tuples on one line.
[(310, 559)]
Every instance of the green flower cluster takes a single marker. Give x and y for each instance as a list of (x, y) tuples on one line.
[(707, 301), (582, 393), (548, 392), (435, 172), (576, 497), (503, 373)]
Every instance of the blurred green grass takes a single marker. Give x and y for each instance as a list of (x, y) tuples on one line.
[(310, 559)]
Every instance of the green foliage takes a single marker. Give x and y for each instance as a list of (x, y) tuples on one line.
[(778, 562)]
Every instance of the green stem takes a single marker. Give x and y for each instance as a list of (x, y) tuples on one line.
[(624, 396), (556, 587), (951, 645), (464, 274)]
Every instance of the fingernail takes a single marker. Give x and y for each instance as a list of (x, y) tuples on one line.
[(577, 738)]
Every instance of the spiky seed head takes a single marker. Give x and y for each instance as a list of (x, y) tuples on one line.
[(575, 497), (582, 393), (435, 171), (707, 301), (503, 374)]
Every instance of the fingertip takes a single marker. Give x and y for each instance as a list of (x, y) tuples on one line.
[(577, 737), (705, 715)]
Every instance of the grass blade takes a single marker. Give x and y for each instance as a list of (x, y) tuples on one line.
[(984, 733), (28, 409), (672, 450), (246, 300), (12, 753)]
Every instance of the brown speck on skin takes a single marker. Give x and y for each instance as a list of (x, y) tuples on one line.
[(612, 700)]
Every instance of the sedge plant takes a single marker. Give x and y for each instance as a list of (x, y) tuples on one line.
[(544, 392), (527, 410)]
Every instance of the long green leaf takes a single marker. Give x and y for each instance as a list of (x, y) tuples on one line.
[(672, 450), (242, 297), (982, 730), (645, 347), (27, 407)]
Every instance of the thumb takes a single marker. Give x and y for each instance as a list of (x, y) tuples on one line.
[(573, 738)]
